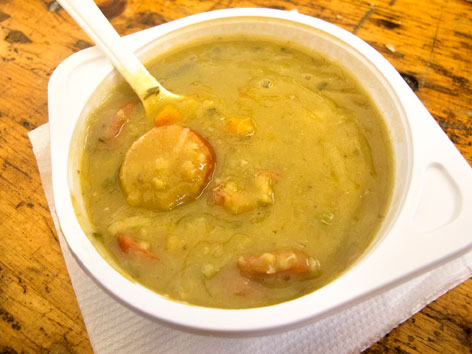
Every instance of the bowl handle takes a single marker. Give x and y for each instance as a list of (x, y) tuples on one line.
[(435, 224)]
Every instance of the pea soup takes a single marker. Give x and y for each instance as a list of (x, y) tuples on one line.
[(269, 184)]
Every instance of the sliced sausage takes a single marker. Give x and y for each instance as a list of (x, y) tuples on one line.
[(168, 166), (270, 264)]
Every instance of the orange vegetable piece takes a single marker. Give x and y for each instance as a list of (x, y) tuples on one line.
[(130, 246), (168, 115), (241, 126)]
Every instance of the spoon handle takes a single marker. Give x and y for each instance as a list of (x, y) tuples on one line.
[(89, 17)]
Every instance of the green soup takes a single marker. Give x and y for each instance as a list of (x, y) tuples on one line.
[(300, 180)]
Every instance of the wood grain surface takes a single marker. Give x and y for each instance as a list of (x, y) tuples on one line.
[(428, 41)]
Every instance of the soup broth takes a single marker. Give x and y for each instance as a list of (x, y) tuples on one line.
[(297, 175)]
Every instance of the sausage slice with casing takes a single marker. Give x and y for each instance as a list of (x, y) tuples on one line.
[(168, 166)]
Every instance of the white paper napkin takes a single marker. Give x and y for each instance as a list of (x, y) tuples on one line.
[(113, 328)]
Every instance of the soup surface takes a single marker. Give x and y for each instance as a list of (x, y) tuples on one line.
[(271, 183)]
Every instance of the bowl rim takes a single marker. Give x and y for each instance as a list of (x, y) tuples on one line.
[(264, 319)]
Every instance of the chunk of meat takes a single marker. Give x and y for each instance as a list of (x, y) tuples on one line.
[(167, 167), (241, 126), (237, 200), (276, 263), (139, 248), (117, 122)]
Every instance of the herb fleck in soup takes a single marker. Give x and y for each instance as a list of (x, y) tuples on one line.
[(272, 184)]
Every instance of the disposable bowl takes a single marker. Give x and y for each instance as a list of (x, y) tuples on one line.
[(427, 223)]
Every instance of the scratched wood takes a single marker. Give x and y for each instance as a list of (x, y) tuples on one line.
[(429, 42)]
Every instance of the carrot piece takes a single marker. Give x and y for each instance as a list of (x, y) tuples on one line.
[(129, 246), (167, 115), (241, 126)]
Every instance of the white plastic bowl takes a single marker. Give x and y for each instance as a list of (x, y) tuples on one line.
[(427, 224)]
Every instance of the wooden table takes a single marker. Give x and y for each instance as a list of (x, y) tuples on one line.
[(428, 41)]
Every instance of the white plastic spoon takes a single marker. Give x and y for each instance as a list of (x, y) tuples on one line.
[(89, 17)]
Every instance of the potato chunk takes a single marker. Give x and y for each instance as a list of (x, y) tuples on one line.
[(167, 167), (236, 199)]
